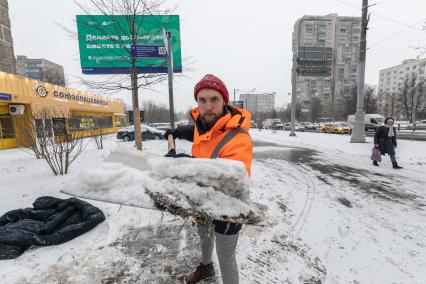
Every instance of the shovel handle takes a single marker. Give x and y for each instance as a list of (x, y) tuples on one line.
[(170, 142)]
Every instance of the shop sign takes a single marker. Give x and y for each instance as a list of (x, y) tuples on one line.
[(5, 97), (43, 92), (79, 98)]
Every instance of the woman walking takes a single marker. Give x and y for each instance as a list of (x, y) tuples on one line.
[(385, 141)]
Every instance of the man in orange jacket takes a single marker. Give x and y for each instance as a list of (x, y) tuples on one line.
[(220, 131)]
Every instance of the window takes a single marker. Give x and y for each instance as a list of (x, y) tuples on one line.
[(89, 122), (6, 127), (43, 127), (119, 121), (81, 122), (58, 126), (104, 122)]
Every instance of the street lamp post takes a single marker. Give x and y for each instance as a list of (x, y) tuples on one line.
[(358, 132)]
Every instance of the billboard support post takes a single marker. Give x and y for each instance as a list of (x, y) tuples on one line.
[(168, 38)]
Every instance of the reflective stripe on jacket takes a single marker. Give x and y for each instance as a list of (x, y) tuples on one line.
[(239, 147)]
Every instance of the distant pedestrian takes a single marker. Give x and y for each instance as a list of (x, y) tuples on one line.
[(385, 141)]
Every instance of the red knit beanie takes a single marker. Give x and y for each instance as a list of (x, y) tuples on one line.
[(211, 82)]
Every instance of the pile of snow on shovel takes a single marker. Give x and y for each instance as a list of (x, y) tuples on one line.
[(215, 187)]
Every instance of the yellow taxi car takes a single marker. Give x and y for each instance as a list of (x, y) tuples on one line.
[(341, 128), (327, 127)]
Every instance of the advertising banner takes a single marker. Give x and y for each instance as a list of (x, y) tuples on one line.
[(106, 43)]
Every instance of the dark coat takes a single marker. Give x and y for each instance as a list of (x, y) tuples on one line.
[(386, 144), (52, 221)]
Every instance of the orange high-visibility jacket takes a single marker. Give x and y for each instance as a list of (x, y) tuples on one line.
[(239, 148)]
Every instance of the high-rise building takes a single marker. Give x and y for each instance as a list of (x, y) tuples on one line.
[(327, 51), (40, 69), (7, 56), (391, 81), (257, 103)]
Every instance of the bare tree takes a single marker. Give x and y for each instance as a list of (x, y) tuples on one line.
[(45, 132), (156, 112), (316, 108), (350, 103), (411, 93), (98, 130), (370, 100), (132, 11)]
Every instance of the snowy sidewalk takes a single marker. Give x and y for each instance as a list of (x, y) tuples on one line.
[(336, 219)]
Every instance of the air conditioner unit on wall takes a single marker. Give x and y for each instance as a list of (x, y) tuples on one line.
[(16, 109)]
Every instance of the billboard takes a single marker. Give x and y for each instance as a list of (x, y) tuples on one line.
[(106, 43)]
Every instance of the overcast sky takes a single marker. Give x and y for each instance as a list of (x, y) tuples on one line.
[(245, 42)]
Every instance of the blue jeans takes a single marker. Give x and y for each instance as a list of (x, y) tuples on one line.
[(393, 158)]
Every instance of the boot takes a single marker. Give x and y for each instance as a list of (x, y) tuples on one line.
[(375, 163), (202, 272), (396, 166)]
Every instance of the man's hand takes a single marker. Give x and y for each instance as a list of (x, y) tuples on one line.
[(376, 145)]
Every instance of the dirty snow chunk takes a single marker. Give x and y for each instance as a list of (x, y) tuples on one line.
[(227, 176), (94, 266), (215, 187), (112, 182), (160, 248), (205, 199)]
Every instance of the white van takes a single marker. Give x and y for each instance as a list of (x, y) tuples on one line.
[(372, 121)]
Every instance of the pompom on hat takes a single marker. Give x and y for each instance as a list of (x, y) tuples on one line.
[(210, 81)]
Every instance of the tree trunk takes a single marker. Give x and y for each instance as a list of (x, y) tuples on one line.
[(136, 110)]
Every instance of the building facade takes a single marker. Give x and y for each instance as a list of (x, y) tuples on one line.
[(327, 51), (7, 56), (40, 69), (258, 103), (23, 100), (391, 81)]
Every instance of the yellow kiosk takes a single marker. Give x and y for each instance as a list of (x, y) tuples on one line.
[(82, 112)]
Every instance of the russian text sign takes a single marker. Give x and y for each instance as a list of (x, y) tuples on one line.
[(106, 43)]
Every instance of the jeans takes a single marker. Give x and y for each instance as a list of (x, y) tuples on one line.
[(393, 158), (225, 249)]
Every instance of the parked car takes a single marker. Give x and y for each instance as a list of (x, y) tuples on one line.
[(160, 125), (371, 121), (418, 125), (326, 127), (273, 123), (148, 133), (287, 126), (309, 126), (298, 127), (340, 128), (343, 128)]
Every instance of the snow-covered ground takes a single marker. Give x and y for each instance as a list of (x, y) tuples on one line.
[(336, 218)]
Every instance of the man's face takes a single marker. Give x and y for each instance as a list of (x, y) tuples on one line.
[(389, 122), (210, 103)]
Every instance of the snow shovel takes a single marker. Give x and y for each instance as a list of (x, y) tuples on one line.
[(148, 191)]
